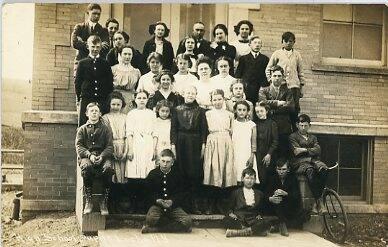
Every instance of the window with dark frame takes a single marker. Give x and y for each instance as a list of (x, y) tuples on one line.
[(351, 153), (353, 31)]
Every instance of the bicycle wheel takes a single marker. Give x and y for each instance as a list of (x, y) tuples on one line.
[(335, 219)]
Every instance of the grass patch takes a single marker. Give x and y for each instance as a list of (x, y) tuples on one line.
[(12, 138)]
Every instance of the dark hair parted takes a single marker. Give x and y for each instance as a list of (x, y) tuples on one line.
[(92, 6), (113, 20), (117, 95), (281, 162), (185, 57), (287, 36), (277, 68), (154, 55), (222, 27), (163, 103), (217, 92), (165, 72), (242, 22), (248, 171), (225, 58), (152, 27), (127, 46), (304, 118), (167, 153), (142, 91), (124, 34), (206, 60), (265, 105), (242, 102)]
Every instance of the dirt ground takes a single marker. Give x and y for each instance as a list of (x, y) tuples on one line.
[(60, 229), (51, 229)]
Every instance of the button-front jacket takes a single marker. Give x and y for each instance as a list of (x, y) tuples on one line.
[(94, 79), (167, 186), (94, 139)]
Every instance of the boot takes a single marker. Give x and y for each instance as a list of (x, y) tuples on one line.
[(88, 200), (239, 233), (283, 229), (209, 206), (196, 207), (149, 229), (104, 203)]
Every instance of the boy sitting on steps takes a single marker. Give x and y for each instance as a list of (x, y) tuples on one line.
[(244, 217), (94, 146)]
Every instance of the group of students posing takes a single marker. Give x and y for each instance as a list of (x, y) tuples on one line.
[(189, 141)]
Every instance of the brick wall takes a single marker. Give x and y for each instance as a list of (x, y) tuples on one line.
[(50, 160), (380, 171), (329, 96), (52, 87)]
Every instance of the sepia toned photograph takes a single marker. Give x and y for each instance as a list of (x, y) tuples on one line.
[(188, 124)]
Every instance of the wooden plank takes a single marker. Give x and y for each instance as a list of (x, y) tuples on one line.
[(12, 151), (12, 166)]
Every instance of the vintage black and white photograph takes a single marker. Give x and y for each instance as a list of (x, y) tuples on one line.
[(194, 124)]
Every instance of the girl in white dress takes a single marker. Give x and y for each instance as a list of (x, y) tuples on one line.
[(125, 77), (183, 78), (147, 81), (204, 85), (140, 138), (223, 80), (162, 126), (218, 160), (116, 120), (244, 139)]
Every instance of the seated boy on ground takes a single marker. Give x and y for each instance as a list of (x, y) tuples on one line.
[(244, 217), (167, 195), (306, 161), (94, 146), (282, 191)]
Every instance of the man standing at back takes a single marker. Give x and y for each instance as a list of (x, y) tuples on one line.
[(82, 31), (202, 47)]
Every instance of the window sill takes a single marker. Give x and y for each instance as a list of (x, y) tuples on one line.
[(349, 69)]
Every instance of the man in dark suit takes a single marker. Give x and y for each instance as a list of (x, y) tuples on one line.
[(281, 103), (82, 31), (112, 25), (93, 81), (251, 69), (202, 47)]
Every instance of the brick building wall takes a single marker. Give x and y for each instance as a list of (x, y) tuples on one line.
[(52, 81), (333, 95)]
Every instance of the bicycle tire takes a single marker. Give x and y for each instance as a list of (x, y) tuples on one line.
[(332, 213)]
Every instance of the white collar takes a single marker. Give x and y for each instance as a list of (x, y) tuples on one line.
[(94, 57), (165, 94), (92, 24)]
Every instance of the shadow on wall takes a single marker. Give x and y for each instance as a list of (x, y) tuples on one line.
[(15, 98)]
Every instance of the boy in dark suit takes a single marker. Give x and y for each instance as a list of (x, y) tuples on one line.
[(282, 191), (94, 146), (251, 69), (93, 81), (281, 103), (83, 31), (244, 217), (166, 194), (306, 161)]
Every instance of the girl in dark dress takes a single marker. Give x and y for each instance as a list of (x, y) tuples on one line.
[(166, 80), (267, 142), (221, 47), (188, 139), (159, 44)]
